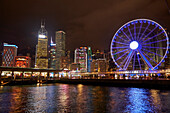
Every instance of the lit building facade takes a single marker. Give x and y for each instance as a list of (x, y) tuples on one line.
[(42, 48), (98, 65), (60, 48), (9, 53), (89, 59), (22, 61), (52, 59), (83, 55), (65, 61)]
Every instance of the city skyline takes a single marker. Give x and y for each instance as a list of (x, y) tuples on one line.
[(85, 24)]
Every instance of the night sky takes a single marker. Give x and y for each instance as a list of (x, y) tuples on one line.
[(86, 22)]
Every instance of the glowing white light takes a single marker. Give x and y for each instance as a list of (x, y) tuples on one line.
[(134, 45), (41, 36)]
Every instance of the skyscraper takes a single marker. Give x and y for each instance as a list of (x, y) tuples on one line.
[(52, 59), (89, 59), (81, 57), (9, 52), (60, 48), (42, 48)]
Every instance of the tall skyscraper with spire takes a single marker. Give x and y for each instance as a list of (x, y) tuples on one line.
[(60, 47), (42, 48)]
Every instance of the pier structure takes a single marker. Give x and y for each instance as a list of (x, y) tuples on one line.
[(8, 74)]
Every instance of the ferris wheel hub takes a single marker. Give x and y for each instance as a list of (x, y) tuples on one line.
[(134, 45)]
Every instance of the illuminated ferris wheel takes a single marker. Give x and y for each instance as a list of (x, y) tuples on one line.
[(139, 44)]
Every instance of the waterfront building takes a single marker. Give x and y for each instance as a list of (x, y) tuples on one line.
[(22, 61), (98, 65), (81, 57), (9, 52), (60, 48), (52, 58), (42, 48)]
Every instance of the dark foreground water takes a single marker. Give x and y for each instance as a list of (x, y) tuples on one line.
[(64, 98)]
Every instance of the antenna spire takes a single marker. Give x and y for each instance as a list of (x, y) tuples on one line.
[(42, 23), (51, 41)]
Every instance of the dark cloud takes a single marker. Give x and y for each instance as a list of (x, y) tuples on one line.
[(86, 22)]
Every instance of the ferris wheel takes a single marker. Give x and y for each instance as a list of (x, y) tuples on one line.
[(139, 45)]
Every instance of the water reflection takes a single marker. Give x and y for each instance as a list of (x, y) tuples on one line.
[(64, 98), (138, 101)]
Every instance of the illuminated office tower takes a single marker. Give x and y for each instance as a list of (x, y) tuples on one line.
[(83, 56), (60, 47), (52, 59), (89, 59), (9, 52), (42, 48)]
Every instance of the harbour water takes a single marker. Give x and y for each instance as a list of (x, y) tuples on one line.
[(66, 98)]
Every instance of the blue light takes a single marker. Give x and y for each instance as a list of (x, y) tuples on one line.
[(9, 45), (134, 45)]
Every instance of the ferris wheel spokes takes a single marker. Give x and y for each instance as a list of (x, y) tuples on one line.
[(154, 42), (152, 37), (126, 35), (134, 60), (122, 38), (145, 60), (122, 55), (153, 52), (149, 33), (139, 61), (150, 58), (120, 51), (130, 55), (143, 32), (130, 32), (139, 30), (120, 43), (134, 31), (154, 47)]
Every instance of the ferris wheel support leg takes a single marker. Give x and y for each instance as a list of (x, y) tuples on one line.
[(128, 59), (145, 60)]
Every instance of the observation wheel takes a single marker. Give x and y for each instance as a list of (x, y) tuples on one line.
[(139, 45)]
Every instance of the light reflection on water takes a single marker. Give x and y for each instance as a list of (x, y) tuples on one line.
[(79, 98)]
